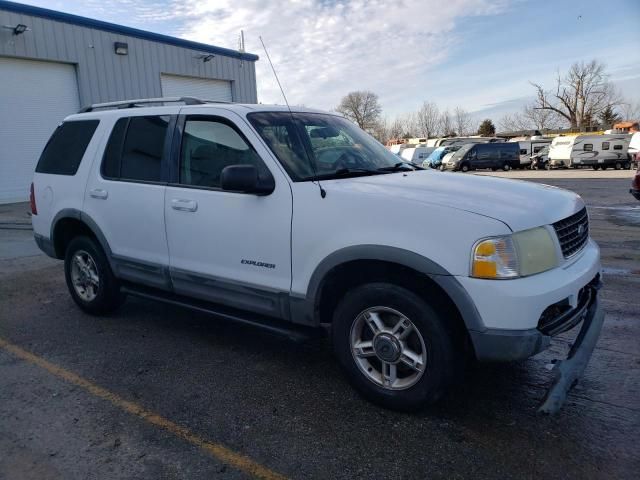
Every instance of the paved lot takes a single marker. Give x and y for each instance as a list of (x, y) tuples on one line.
[(158, 392)]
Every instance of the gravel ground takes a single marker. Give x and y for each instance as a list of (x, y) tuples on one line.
[(287, 406)]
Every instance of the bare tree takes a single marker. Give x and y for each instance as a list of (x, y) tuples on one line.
[(361, 107), (396, 129), (513, 122), (381, 131), (446, 124), (409, 125), (579, 95), (462, 121), (541, 119), (428, 119), (630, 111)]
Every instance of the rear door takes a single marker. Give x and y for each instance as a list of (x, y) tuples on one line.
[(227, 247), (125, 196)]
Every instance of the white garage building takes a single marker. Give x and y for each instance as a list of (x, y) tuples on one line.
[(52, 64)]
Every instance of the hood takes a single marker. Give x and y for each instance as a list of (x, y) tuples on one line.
[(519, 204)]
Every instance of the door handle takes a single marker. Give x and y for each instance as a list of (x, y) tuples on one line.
[(184, 205), (99, 193)]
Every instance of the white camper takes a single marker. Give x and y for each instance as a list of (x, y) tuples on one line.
[(601, 151), (530, 146), (560, 151)]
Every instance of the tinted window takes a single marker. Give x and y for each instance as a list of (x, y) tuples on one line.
[(617, 147), (605, 145), (208, 146), (523, 151), (113, 151), (66, 147), (143, 146), (537, 149), (588, 147)]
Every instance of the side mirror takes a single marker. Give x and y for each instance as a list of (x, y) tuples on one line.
[(245, 179)]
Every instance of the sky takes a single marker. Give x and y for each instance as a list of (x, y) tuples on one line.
[(477, 54)]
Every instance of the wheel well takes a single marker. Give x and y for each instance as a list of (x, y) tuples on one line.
[(66, 230), (349, 275)]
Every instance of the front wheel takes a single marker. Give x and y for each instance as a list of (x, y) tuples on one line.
[(596, 167), (618, 166), (89, 278), (464, 167), (394, 346), (506, 167)]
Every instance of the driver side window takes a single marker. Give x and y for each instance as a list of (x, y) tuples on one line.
[(208, 146)]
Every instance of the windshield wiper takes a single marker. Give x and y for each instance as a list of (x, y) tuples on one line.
[(344, 172), (398, 167)]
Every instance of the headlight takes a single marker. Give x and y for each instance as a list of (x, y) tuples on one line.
[(518, 255)]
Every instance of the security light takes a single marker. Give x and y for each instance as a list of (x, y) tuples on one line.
[(205, 57), (18, 29), (121, 48)]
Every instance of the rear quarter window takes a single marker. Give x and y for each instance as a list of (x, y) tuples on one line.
[(64, 150)]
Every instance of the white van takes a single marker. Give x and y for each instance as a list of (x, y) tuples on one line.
[(416, 155)]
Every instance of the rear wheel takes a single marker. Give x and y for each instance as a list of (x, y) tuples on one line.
[(618, 166), (604, 167), (89, 278), (596, 167), (506, 167), (394, 346), (464, 167)]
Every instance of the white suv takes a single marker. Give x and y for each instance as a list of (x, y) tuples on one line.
[(293, 220)]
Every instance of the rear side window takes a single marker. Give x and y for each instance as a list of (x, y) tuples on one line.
[(588, 147), (65, 149), (617, 147), (605, 145), (135, 149)]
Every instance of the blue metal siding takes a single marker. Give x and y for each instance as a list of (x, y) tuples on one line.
[(104, 76)]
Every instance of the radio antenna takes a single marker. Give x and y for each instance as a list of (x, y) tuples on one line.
[(323, 192)]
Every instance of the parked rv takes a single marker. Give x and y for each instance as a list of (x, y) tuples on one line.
[(596, 151), (416, 155), (601, 151), (474, 156), (540, 159), (530, 146)]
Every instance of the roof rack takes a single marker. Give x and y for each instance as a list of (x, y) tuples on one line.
[(142, 101)]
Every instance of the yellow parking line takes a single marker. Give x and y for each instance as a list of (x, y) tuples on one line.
[(217, 450)]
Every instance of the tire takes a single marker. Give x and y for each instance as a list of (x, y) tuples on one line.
[(604, 167), (442, 168), (464, 168), (506, 167), (85, 260), (618, 166), (627, 166), (596, 167), (428, 339)]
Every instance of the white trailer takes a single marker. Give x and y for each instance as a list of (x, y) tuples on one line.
[(529, 147), (459, 141), (601, 151), (560, 151), (634, 148)]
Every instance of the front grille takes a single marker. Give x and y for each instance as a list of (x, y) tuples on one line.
[(573, 232)]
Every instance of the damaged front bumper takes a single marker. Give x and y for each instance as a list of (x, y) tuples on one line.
[(567, 372)]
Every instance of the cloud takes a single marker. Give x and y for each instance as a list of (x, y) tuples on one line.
[(324, 49)]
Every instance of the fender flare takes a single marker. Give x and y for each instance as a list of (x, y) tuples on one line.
[(305, 308), (91, 225)]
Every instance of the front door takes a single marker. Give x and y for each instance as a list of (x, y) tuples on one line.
[(227, 247)]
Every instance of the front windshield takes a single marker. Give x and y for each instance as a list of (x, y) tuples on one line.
[(462, 150), (316, 145), (436, 154)]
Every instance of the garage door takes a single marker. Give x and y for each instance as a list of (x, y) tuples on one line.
[(205, 88), (34, 98)]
